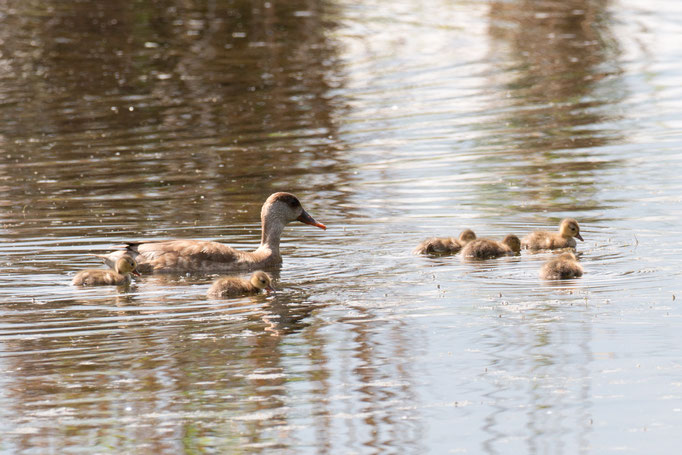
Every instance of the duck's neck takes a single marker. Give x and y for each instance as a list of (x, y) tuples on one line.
[(270, 236)]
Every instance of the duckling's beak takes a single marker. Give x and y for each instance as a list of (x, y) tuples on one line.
[(578, 236), (270, 290), (136, 273), (307, 219)]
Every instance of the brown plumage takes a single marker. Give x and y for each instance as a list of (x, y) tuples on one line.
[(488, 249), (124, 267), (563, 267), (445, 245), (230, 286), (563, 238), (204, 256)]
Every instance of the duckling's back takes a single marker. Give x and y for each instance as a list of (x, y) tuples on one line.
[(561, 269), (231, 287), (100, 278), (544, 240), (485, 249), (438, 245)]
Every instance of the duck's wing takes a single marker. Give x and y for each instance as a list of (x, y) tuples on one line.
[(183, 255)]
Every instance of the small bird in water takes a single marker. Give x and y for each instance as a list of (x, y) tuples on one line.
[(445, 245), (123, 268), (544, 240), (230, 286), (488, 249), (562, 267)]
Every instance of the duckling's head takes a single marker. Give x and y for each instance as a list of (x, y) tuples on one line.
[(467, 236), (567, 256), (262, 280), (125, 264), (569, 228), (512, 242), (285, 208)]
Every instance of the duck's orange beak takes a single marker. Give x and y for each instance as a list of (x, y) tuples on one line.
[(307, 219), (136, 273), (578, 236)]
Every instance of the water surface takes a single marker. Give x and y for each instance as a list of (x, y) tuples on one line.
[(392, 122)]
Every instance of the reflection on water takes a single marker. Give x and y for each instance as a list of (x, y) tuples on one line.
[(562, 85), (392, 122)]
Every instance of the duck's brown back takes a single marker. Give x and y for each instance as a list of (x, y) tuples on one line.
[(195, 255)]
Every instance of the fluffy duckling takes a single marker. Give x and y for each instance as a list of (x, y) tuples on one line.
[(488, 249), (562, 267), (544, 240), (172, 256), (124, 267), (445, 245), (229, 286)]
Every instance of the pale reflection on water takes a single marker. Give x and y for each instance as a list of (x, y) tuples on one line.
[(392, 122)]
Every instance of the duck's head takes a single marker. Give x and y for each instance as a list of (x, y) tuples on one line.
[(512, 242), (569, 228), (262, 280), (567, 256), (467, 236), (126, 264), (286, 208)]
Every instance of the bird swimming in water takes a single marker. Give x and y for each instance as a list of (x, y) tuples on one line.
[(488, 249), (172, 256), (563, 238), (445, 245), (562, 267), (230, 286), (123, 268)]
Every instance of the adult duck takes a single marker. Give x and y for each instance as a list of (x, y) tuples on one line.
[(564, 238), (172, 256)]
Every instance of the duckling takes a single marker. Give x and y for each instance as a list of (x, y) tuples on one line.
[(445, 245), (124, 267), (229, 286), (562, 267), (488, 249), (544, 240)]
